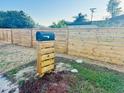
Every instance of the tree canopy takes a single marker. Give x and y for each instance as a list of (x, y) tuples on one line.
[(60, 24), (113, 8), (15, 19), (80, 19)]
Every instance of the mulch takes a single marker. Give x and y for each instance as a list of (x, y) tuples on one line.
[(50, 83)]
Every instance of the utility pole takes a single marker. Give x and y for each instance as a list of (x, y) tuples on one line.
[(92, 12)]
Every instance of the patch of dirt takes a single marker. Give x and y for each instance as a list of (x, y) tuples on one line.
[(50, 83), (63, 67), (25, 73), (118, 68), (12, 56)]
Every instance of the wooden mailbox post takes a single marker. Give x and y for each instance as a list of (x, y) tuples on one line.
[(45, 52)]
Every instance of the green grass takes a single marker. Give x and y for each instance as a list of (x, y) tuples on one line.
[(4, 53), (84, 86), (4, 63), (108, 80)]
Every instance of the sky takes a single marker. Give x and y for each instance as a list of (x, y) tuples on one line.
[(45, 12)]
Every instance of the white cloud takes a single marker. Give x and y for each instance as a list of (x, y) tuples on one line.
[(122, 4)]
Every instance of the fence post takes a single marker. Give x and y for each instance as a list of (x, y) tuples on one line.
[(11, 36), (3, 35), (7, 35), (31, 37), (67, 40)]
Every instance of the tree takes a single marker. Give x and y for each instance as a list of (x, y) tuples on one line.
[(80, 19), (15, 19), (60, 24), (113, 8)]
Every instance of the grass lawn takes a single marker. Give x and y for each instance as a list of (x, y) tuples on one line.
[(98, 79), (89, 79)]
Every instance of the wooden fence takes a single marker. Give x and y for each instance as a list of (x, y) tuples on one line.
[(103, 44), (26, 37)]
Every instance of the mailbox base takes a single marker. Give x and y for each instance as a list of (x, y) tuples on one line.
[(45, 57)]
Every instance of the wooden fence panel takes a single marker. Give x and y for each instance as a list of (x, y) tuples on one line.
[(99, 44), (5, 35), (22, 37), (103, 44)]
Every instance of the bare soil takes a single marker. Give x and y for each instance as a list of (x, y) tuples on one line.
[(12, 56), (50, 83)]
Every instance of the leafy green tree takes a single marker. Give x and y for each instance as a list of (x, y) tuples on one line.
[(113, 8), (80, 19), (60, 24), (54, 25), (15, 19)]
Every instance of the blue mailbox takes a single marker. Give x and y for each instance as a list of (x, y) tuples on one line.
[(45, 36)]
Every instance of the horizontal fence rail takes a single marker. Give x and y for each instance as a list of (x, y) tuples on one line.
[(103, 44)]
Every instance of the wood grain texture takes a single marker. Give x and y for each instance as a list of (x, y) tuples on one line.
[(103, 44)]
